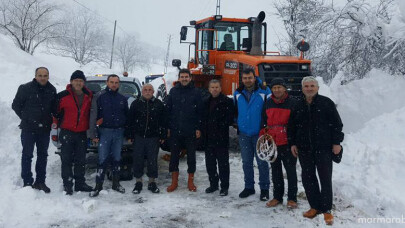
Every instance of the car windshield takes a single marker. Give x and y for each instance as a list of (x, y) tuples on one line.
[(127, 89)]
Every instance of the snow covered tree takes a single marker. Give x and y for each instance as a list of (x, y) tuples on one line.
[(395, 38), (29, 23), (130, 53), (82, 38), (348, 38), (297, 17)]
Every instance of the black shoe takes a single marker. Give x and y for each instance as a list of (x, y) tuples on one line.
[(41, 187), (68, 190), (83, 187), (264, 195), (138, 188), (27, 185), (97, 190), (246, 192), (211, 189), (153, 187), (223, 192), (116, 184)]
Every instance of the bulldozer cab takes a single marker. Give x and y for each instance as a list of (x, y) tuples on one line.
[(224, 47), (224, 36)]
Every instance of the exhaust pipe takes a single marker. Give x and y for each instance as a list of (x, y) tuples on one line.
[(257, 35)]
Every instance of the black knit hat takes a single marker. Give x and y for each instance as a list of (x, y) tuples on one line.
[(78, 74), (278, 81)]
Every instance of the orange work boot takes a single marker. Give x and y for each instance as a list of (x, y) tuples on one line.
[(175, 182), (272, 203), (291, 204), (311, 213), (191, 185), (328, 217)]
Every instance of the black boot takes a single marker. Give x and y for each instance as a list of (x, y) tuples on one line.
[(153, 187), (138, 188), (41, 187), (246, 192), (68, 189), (116, 184), (83, 187), (211, 189), (97, 190), (223, 192), (264, 195)]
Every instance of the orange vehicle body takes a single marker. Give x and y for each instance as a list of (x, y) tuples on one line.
[(212, 62)]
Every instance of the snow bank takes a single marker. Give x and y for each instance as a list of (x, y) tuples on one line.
[(371, 173), (370, 178), (362, 100)]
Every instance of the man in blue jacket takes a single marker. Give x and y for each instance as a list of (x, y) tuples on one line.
[(184, 108), (112, 110), (249, 99)]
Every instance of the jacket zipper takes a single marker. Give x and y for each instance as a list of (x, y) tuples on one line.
[(78, 109), (147, 117), (310, 126)]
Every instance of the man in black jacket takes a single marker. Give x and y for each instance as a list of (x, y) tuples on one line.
[(315, 133), (35, 104), (218, 116), (184, 107), (146, 129)]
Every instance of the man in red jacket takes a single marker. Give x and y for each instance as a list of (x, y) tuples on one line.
[(276, 113), (74, 113)]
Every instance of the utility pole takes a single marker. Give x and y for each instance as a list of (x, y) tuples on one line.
[(167, 52), (112, 47), (218, 9)]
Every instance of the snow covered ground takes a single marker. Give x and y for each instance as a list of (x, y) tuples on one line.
[(368, 183)]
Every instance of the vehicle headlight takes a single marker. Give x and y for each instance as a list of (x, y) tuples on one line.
[(304, 67)]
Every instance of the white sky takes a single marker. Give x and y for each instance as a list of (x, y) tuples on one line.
[(153, 20)]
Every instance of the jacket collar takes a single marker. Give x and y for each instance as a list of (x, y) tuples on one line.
[(39, 85), (282, 100), (314, 99), (221, 97), (144, 100), (108, 90), (85, 90), (188, 86), (242, 86)]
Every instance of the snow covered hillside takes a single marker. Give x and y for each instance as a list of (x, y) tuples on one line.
[(368, 183)]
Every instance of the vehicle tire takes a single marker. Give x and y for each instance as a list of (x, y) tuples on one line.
[(162, 93)]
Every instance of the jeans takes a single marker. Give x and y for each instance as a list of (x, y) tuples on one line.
[(28, 140), (248, 152), (109, 148)]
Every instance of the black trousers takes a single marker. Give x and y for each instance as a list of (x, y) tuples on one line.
[(73, 152), (285, 158), (177, 143), (148, 147), (321, 161), (28, 140), (220, 155)]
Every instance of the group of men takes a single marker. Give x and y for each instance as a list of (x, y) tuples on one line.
[(307, 127)]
